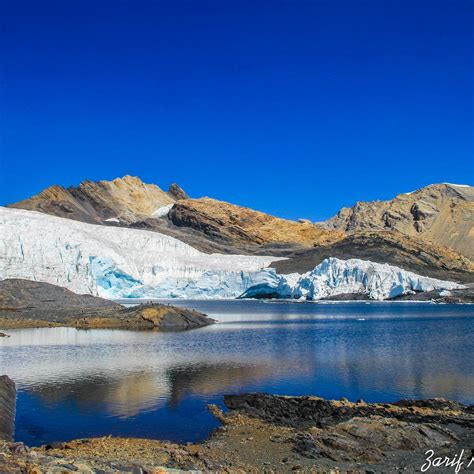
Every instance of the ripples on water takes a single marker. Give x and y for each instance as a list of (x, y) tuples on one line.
[(77, 383)]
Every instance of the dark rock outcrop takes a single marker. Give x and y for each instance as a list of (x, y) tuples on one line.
[(457, 296), (266, 433), (364, 433), (305, 412), (176, 192), (7, 408)]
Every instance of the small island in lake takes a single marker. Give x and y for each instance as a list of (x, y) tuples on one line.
[(32, 304)]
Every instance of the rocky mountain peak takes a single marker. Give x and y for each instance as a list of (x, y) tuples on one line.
[(123, 200), (176, 192)]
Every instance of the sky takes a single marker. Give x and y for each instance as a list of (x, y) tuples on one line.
[(295, 108)]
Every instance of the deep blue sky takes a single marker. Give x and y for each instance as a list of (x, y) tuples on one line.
[(295, 108)]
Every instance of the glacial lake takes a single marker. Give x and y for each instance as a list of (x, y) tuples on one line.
[(83, 383)]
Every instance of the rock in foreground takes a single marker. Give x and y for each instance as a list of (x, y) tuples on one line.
[(25, 303)]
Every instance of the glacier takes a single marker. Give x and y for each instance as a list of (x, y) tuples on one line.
[(116, 262), (334, 277)]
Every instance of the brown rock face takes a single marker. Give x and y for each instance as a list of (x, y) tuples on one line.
[(441, 213), (240, 225), (124, 200)]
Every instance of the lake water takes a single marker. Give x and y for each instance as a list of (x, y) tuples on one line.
[(82, 383)]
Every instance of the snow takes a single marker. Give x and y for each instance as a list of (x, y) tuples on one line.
[(335, 277), (162, 211), (447, 184), (459, 185), (112, 219), (116, 262)]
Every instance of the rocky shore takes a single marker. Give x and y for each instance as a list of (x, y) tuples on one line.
[(31, 304), (269, 433), (456, 296)]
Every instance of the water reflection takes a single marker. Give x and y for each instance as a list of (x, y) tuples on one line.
[(122, 397), (157, 385)]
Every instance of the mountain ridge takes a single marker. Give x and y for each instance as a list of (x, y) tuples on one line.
[(441, 213), (428, 231)]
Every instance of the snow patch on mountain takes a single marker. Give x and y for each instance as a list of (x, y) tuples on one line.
[(337, 277), (162, 211), (115, 262), (459, 185)]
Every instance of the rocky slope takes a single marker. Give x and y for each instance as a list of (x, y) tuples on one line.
[(394, 248), (242, 226), (25, 303), (441, 213)]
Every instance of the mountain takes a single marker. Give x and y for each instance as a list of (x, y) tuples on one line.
[(441, 213), (206, 224), (429, 231), (124, 200), (394, 248), (241, 226)]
